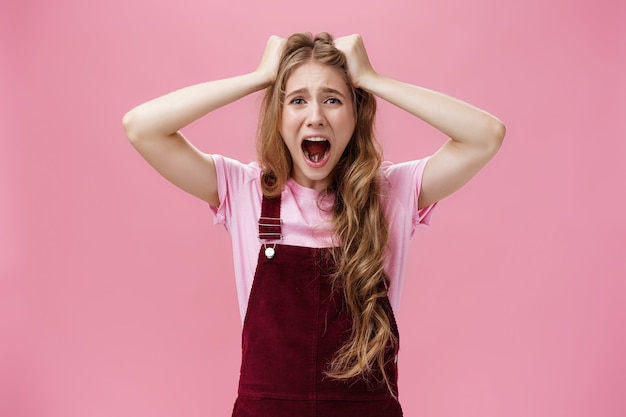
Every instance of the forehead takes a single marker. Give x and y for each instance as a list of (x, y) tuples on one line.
[(314, 76)]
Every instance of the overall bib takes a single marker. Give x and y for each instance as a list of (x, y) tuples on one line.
[(295, 323)]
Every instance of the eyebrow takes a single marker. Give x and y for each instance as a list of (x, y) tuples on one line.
[(324, 90)]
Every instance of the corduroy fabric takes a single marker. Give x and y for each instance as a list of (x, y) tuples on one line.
[(294, 325)]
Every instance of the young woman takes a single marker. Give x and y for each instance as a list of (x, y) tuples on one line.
[(320, 225)]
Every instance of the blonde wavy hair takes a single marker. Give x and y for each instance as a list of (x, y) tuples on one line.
[(359, 224)]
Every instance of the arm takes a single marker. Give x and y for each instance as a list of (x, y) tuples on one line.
[(475, 136), (153, 127)]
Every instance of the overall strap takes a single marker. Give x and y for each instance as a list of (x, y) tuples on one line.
[(270, 221)]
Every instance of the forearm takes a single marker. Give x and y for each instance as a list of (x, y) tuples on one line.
[(166, 115), (461, 122)]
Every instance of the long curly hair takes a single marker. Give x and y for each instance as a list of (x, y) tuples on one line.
[(359, 224)]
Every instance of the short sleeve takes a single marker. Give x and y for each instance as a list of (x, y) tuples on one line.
[(405, 180), (423, 214), (232, 176)]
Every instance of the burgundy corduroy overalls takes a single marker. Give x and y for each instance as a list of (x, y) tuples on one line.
[(294, 325)]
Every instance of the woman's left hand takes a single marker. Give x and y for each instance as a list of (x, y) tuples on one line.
[(359, 67)]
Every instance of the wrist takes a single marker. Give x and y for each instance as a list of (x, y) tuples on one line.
[(368, 81), (262, 78), (257, 80)]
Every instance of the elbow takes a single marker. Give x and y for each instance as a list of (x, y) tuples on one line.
[(129, 123), (499, 131), (496, 132)]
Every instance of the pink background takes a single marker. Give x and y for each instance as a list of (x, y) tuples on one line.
[(116, 292)]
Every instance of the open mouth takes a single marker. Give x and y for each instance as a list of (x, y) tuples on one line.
[(315, 149)]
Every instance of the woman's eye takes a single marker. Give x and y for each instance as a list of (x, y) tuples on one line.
[(297, 101), (333, 100)]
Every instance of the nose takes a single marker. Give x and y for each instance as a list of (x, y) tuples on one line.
[(315, 115)]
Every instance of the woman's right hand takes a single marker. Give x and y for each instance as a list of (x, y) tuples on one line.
[(268, 67), (154, 127)]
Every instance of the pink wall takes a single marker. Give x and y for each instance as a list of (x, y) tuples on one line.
[(116, 292)]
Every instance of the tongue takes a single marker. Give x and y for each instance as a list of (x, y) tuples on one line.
[(316, 150)]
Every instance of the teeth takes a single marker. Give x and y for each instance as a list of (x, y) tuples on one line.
[(316, 156)]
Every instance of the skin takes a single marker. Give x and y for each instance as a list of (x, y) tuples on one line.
[(154, 127), (475, 136), (317, 104)]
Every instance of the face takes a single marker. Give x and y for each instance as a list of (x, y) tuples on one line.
[(317, 122)]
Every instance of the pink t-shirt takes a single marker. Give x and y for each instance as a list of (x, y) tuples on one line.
[(304, 224)]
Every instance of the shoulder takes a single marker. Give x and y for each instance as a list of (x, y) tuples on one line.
[(230, 165), (405, 175), (402, 187), (391, 169), (232, 173), (234, 177)]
